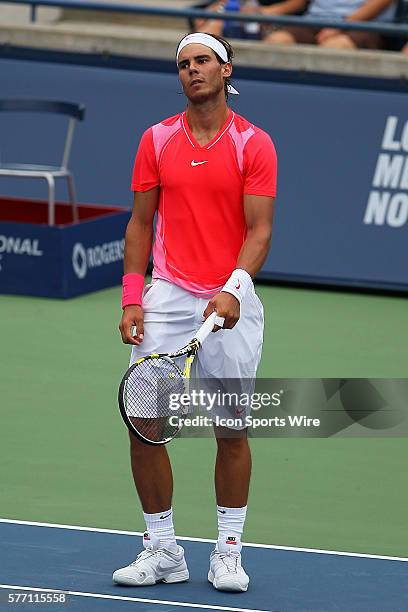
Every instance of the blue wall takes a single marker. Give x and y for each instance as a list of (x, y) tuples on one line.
[(328, 139)]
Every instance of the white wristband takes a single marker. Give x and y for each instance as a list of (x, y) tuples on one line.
[(238, 284)]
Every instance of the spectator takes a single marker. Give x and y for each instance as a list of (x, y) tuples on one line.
[(275, 7), (349, 10), (264, 7)]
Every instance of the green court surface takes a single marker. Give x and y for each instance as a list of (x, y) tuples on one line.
[(64, 449)]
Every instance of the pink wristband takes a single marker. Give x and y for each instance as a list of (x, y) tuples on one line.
[(132, 289)]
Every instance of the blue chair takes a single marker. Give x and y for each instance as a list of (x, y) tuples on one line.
[(75, 112)]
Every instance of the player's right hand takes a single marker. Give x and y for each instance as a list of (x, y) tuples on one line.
[(132, 317)]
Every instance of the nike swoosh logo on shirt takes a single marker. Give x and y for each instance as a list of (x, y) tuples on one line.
[(194, 163)]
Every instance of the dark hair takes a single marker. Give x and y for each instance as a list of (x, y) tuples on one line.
[(230, 55)]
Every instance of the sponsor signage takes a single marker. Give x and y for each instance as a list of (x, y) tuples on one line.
[(62, 261), (341, 215), (388, 200), (346, 222)]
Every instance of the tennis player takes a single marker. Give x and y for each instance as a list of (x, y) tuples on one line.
[(211, 177)]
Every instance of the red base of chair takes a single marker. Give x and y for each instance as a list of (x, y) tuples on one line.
[(19, 210)]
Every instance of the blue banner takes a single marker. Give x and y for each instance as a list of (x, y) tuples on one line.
[(65, 261), (342, 207)]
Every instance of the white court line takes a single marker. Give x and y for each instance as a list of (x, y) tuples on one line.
[(138, 599), (188, 539)]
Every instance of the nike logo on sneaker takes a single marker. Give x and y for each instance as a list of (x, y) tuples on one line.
[(194, 163), (163, 517)]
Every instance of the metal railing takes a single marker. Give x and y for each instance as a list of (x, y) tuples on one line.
[(388, 29)]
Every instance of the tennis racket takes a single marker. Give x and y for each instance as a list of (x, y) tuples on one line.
[(149, 390)]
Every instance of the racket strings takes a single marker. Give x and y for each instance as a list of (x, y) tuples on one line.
[(150, 398)]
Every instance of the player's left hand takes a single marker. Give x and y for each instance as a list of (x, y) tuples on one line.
[(227, 307)]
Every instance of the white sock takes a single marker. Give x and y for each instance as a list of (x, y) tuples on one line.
[(231, 521), (161, 524)]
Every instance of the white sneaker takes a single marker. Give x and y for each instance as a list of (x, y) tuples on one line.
[(226, 572), (154, 564)]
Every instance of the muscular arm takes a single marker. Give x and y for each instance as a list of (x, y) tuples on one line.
[(139, 232), (258, 217), (138, 245)]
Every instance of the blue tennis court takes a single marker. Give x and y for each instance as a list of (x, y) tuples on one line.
[(80, 561)]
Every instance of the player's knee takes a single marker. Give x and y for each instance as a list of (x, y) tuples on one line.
[(234, 444), (142, 452), (138, 448)]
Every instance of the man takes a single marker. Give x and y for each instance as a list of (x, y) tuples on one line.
[(211, 177), (347, 10)]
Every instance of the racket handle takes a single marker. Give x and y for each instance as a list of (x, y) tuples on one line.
[(206, 328)]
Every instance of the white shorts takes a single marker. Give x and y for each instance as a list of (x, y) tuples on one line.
[(171, 317)]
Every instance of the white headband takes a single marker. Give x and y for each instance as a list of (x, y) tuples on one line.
[(208, 41)]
